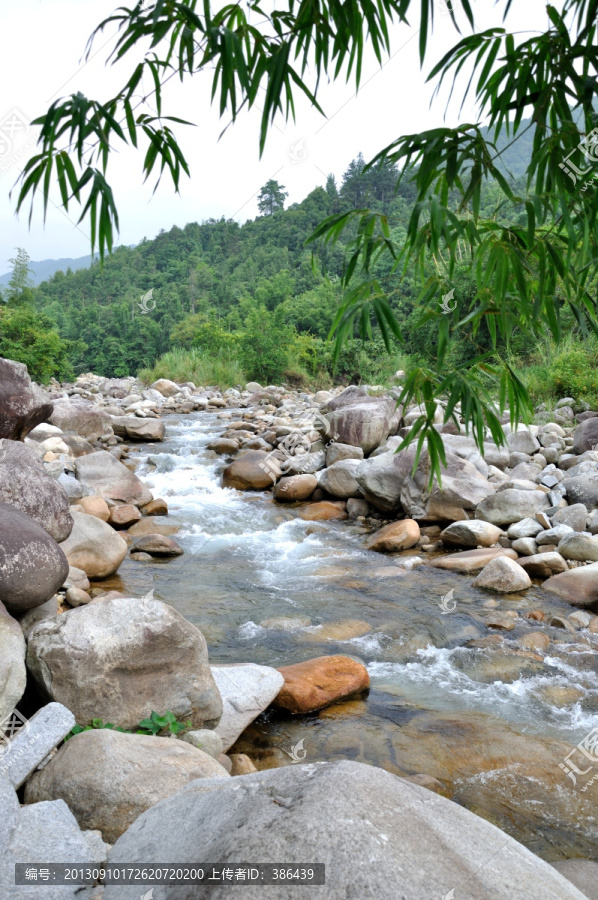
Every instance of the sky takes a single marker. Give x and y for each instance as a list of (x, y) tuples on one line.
[(42, 45)]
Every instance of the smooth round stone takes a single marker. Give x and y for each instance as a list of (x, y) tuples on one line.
[(286, 623)]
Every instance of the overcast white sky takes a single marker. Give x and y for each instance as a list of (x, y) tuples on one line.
[(41, 58)]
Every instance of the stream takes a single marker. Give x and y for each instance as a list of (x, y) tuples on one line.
[(457, 713)]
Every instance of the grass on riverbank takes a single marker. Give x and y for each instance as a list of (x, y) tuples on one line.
[(197, 366)]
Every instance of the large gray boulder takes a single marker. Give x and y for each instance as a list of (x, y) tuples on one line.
[(119, 659), (100, 473), (25, 484), (246, 691), (339, 479), (43, 832), (94, 546), (32, 565), (582, 547), (137, 429), (582, 488), (108, 778), (363, 424), (381, 478), (81, 417), (463, 488), (13, 675), (351, 395), (23, 405), (42, 733), (471, 533), (512, 505), (523, 442), (379, 836), (586, 436)]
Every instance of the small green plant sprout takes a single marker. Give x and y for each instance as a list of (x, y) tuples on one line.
[(161, 725)]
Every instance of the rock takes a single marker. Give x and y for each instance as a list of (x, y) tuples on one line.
[(504, 576), (574, 516), (553, 535), (470, 562), (501, 621), (364, 424), (525, 546), (339, 479), (543, 565), (535, 640), (157, 507), (286, 623), (95, 506), (250, 472), (224, 446), (241, 764), (204, 739), (23, 405), (524, 528), (511, 505), (136, 429), (381, 479), (78, 446), (158, 545), (394, 537), (323, 511), (152, 525), (463, 489), (12, 664), (119, 659), (33, 616), (100, 473), (108, 778), (522, 442), (339, 810), (25, 484), (32, 743), (71, 487), (356, 508), (32, 566), (335, 452), (77, 578), (165, 387), (561, 622), (579, 587), (293, 488), (582, 488), (140, 557), (246, 691), (580, 619), (305, 464), (579, 546), (83, 418), (123, 516), (471, 533), (345, 630), (582, 873), (77, 597), (94, 547), (316, 683), (585, 436)]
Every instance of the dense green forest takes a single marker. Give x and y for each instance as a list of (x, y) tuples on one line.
[(232, 301)]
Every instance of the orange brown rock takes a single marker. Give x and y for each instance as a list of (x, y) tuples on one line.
[(316, 683), (395, 537), (324, 510)]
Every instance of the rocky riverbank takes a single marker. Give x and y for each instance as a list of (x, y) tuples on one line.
[(72, 509)]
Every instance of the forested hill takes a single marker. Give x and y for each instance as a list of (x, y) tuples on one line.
[(221, 271)]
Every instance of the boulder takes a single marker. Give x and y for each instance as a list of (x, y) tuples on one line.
[(522, 442), (397, 536), (525, 528), (575, 516), (118, 659), (553, 535), (135, 428), (12, 665), (351, 395), (152, 525), (335, 452), (324, 511), (94, 546), (543, 565), (582, 873), (463, 488), (339, 479), (292, 488), (95, 506), (24, 483), (525, 546), (378, 836), (470, 562), (23, 405), (206, 740), (165, 387), (81, 417), (157, 507), (250, 472), (363, 424), (225, 446), (157, 545), (246, 691), (381, 479), (316, 683), (100, 473), (78, 446), (583, 547), (306, 463), (471, 533), (123, 516), (511, 505), (32, 565), (582, 488), (108, 778), (504, 576), (42, 733), (71, 487), (579, 587), (585, 436)]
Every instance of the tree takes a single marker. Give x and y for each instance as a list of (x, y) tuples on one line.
[(526, 275), (271, 198), (21, 282)]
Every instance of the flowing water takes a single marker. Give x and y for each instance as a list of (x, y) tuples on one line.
[(434, 705)]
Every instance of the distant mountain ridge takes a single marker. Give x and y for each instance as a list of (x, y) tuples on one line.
[(45, 268)]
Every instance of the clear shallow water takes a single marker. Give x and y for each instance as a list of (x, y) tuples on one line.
[(488, 723)]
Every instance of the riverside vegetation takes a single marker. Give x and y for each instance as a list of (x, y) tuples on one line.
[(518, 526)]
